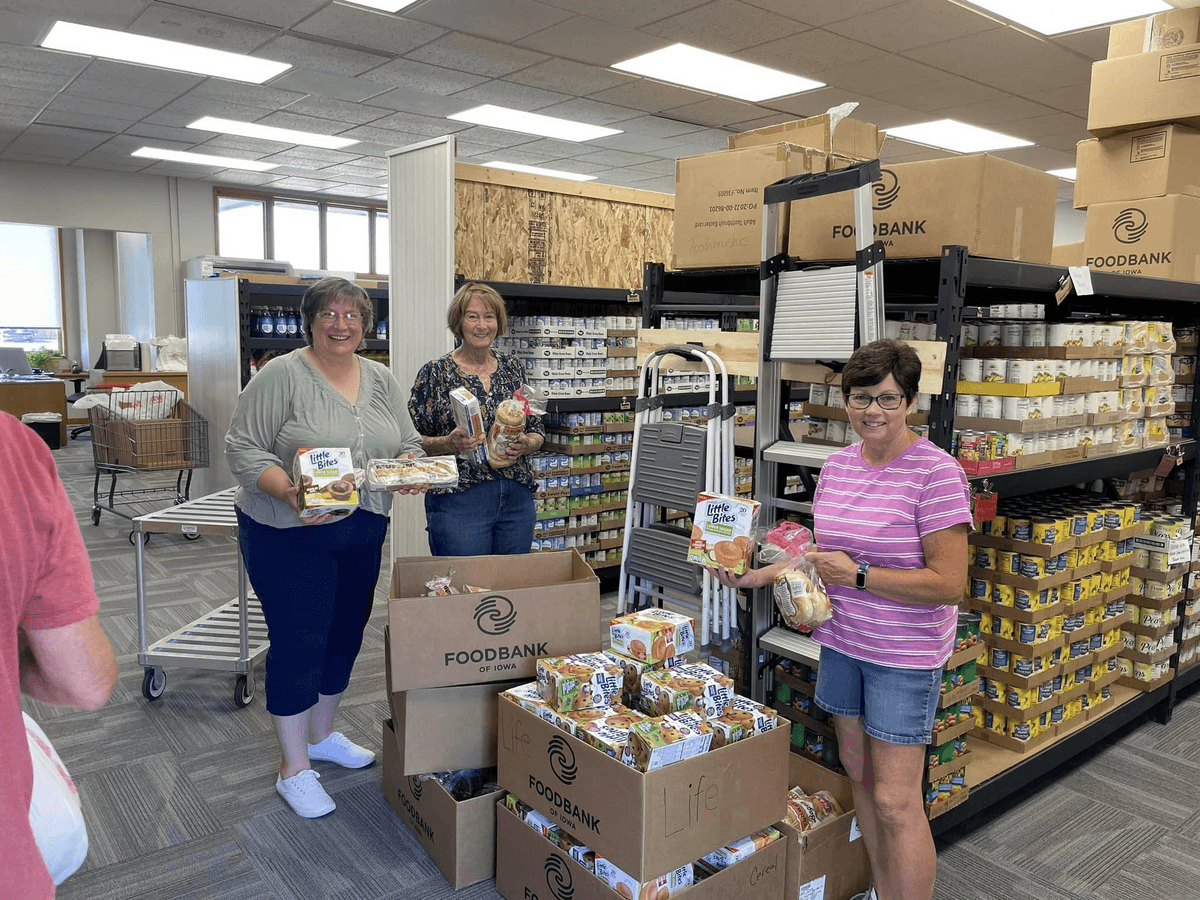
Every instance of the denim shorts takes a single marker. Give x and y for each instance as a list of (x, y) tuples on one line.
[(895, 705)]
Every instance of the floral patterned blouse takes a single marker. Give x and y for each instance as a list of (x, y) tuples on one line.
[(429, 406)]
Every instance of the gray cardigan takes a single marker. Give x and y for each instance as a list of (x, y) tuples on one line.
[(289, 404)]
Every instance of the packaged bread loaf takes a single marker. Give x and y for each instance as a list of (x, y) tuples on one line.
[(800, 596)]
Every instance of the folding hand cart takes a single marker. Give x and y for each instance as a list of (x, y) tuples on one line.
[(670, 464), (231, 638)]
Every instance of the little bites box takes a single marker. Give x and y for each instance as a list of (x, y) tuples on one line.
[(722, 532), (327, 477), (1158, 237)]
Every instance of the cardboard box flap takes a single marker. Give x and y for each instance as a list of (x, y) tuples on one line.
[(852, 139), (492, 572), (815, 777)]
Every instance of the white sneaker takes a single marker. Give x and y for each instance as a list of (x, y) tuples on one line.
[(304, 795), (338, 748)]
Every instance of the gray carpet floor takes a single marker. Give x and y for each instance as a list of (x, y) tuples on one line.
[(180, 802)]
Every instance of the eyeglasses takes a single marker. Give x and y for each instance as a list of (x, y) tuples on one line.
[(885, 401), (329, 316)]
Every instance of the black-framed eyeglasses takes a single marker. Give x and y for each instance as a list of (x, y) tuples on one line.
[(885, 401)]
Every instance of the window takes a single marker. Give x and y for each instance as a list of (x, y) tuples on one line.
[(306, 232), (32, 318)]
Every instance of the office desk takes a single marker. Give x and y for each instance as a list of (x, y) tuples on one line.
[(20, 397)]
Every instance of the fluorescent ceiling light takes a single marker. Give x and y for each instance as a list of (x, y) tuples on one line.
[(535, 170), (1068, 174), (1070, 15), (958, 136), (148, 51), (267, 132), (384, 5), (202, 159), (532, 123), (716, 73)]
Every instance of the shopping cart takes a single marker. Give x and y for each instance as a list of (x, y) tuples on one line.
[(145, 433)]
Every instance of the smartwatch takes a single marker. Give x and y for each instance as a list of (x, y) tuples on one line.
[(860, 580)]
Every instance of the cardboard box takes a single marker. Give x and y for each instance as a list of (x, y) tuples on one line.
[(548, 608), (1149, 162), (529, 866), (718, 201), (830, 860), (1067, 254), (992, 206), (851, 139), (460, 838), (1133, 92), (647, 824), (148, 445), (1164, 31), (1158, 237)]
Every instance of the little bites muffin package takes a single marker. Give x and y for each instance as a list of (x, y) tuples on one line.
[(742, 719), (652, 635), (694, 687), (663, 740), (580, 681), (661, 888), (327, 476), (631, 690), (722, 533)]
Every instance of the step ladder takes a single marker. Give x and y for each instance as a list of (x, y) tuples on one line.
[(670, 464)]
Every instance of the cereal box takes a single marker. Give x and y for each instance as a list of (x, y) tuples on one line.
[(627, 886), (465, 409), (696, 687), (743, 718), (652, 635), (663, 740), (327, 476), (579, 681), (723, 532)]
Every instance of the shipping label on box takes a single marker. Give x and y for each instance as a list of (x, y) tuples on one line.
[(1158, 237), (989, 205), (1164, 31), (526, 612)]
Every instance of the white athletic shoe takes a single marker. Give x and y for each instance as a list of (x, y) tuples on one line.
[(337, 748), (304, 795)]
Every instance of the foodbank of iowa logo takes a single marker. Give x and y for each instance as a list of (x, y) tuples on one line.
[(558, 878), (1130, 225), (885, 190), (495, 614), (416, 787), (562, 760)]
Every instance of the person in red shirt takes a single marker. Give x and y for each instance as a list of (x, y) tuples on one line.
[(52, 647)]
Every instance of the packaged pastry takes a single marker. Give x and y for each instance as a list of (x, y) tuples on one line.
[(465, 409), (327, 477), (579, 681), (531, 816), (608, 739), (696, 687), (661, 888), (733, 853), (631, 690), (806, 811), (509, 425), (663, 740), (744, 718), (652, 634), (800, 596), (424, 471), (722, 533), (577, 851)]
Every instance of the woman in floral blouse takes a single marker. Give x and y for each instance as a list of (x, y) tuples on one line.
[(491, 511)]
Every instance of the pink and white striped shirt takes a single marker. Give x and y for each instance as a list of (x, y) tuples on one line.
[(878, 514)]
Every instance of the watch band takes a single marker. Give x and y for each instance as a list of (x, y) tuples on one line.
[(860, 579)]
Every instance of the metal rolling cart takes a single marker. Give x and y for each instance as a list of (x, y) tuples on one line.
[(144, 434), (230, 638)]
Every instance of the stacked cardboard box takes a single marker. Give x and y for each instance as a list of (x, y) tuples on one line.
[(447, 659), (1136, 178)]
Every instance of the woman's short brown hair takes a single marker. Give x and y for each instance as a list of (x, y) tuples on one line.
[(458, 307), (873, 362), (328, 290)]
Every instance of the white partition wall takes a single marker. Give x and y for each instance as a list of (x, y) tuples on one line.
[(421, 222)]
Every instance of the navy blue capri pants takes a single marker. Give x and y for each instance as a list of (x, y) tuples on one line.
[(316, 585)]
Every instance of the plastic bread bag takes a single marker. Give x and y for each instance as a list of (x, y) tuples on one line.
[(509, 424), (783, 541), (423, 471), (800, 596)]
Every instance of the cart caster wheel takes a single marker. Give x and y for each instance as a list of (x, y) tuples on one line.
[(192, 537), (154, 683), (145, 538), (243, 692), (95, 517)]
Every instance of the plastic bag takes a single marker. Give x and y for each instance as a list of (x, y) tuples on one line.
[(148, 400), (172, 354), (782, 541), (55, 812), (509, 424), (800, 596)]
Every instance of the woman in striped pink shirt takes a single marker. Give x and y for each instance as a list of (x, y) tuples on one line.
[(892, 514)]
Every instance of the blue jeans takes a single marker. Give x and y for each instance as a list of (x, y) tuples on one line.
[(493, 517), (316, 586), (896, 705)]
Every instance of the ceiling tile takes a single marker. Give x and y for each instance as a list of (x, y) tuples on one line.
[(593, 41), (474, 55), (811, 53), (615, 158), (658, 168), (501, 20), (365, 168), (1020, 62), (656, 126), (153, 132), (419, 76), (648, 96), (185, 110), (13, 96), (885, 115), (18, 116), (232, 176), (35, 59), (26, 80), (106, 123), (912, 23), (96, 160), (222, 143), (895, 151), (325, 84), (1072, 98), (724, 26), (189, 27), (300, 184), (631, 13), (14, 153), (260, 96), (571, 77), (109, 14), (317, 55), (995, 113), (288, 119), (142, 77), (421, 102), (389, 137), (361, 27), (591, 112), (714, 111), (412, 123), (1092, 43), (64, 135), (179, 170), (358, 190), (495, 137), (701, 142), (312, 157), (509, 94), (885, 73), (124, 144), (1043, 158), (951, 90), (823, 13), (18, 28), (91, 89), (336, 110), (279, 13)]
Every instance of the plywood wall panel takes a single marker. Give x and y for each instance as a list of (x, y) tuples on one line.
[(468, 228)]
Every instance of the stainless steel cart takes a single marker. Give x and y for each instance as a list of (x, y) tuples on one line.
[(231, 638)]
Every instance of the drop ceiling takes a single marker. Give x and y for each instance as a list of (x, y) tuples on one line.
[(391, 80)]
